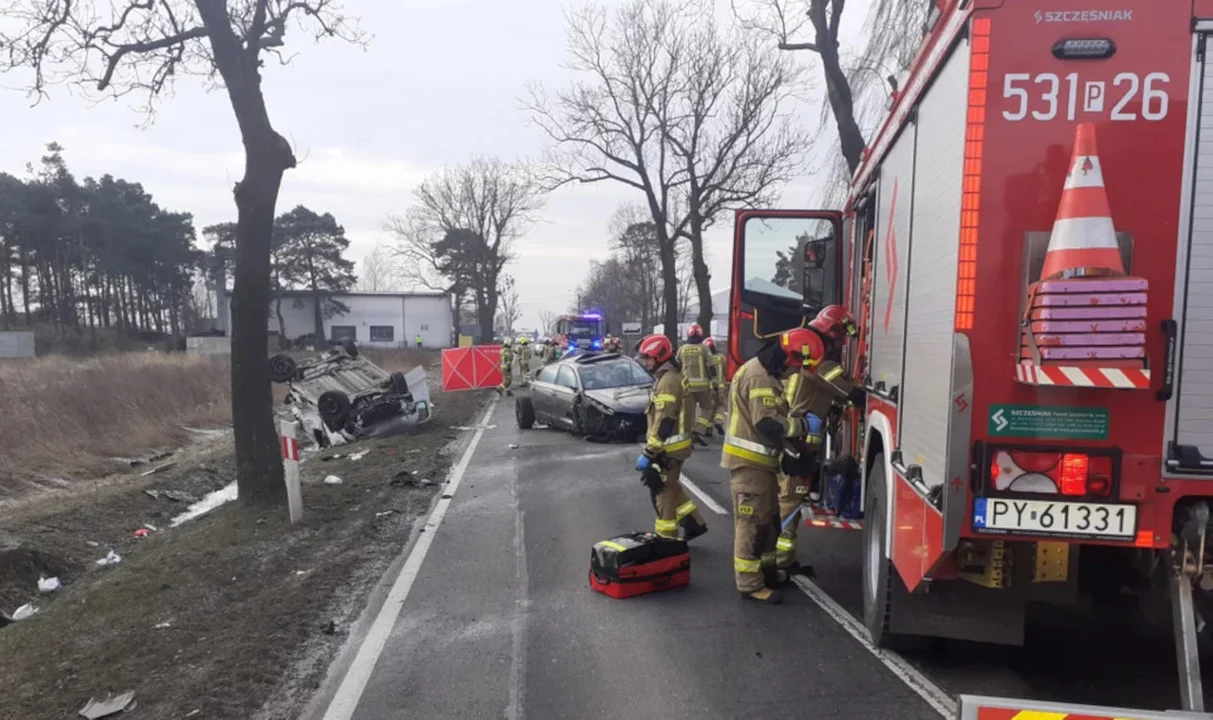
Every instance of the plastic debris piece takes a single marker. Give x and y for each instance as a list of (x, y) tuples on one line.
[(25, 612), (92, 543), (513, 446), (111, 705), (472, 427), (151, 527), (141, 533), (161, 626), (48, 584), (332, 480), (158, 468), (111, 558), (358, 455)]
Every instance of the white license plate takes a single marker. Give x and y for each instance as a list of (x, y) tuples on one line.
[(1005, 516)]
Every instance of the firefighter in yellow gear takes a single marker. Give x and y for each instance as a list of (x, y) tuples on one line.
[(753, 453), (668, 442), (507, 368), (696, 375), (524, 360), (812, 397), (720, 384)]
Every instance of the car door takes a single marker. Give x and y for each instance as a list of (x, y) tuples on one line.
[(542, 391), (564, 394)]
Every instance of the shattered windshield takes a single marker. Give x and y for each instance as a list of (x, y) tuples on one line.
[(613, 374)]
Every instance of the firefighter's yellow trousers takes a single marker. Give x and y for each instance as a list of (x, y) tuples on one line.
[(674, 508), (755, 525)]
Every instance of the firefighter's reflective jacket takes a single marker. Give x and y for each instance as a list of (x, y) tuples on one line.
[(753, 397), (507, 356), (694, 361), (815, 394), (834, 386), (668, 402), (717, 360)]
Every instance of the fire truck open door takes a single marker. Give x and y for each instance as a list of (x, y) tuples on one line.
[(787, 265)]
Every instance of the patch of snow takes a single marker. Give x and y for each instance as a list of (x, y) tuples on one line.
[(211, 501)]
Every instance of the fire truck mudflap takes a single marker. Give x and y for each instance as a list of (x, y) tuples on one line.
[(977, 707)]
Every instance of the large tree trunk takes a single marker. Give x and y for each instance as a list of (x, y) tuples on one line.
[(703, 276), (669, 289), (838, 88), (267, 155), (318, 316)]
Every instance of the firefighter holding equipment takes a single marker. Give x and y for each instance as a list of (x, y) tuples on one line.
[(668, 442), (759, 424), (507, 368), (697, 377), (549, 352), (720, 389), (524, 360)]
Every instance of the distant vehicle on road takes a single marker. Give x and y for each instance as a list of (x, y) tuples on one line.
[(340, 397), (599, 395), (583, 332)]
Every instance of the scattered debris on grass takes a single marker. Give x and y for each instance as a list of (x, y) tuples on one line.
[(332, 480), (111, 558), (111, 705), (235, 596), (46, 585), (159, 468), (358, 455)]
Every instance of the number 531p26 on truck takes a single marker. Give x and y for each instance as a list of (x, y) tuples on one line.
[(1028, 248)]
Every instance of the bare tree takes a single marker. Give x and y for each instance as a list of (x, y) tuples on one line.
[(379, 272), (672, 106), (139, 47), (547, 321), (731, 133), (460, 233), (607, 125), (510, 309), (857, 91)]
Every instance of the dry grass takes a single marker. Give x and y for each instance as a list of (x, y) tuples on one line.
[(67, 418)]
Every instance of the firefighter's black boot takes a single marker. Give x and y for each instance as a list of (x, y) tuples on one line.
[(774, 577), (766, 595), (692, 529)]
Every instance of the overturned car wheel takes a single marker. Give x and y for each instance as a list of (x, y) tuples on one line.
[(282, 368), (334, 409)]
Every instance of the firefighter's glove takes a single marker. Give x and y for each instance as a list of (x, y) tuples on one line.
[(650, 458), (650, 477), (858, 397), (789, 464)]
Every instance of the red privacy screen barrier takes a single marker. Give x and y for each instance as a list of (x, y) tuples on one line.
[(471, 368)]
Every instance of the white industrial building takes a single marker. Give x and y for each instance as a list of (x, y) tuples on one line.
[(371, 319)]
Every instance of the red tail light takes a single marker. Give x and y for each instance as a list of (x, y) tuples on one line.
[(1073, 474)]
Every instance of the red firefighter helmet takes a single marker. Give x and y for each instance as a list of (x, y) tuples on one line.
[(657, 347), (835, 323), (804, 348), (694, 331)]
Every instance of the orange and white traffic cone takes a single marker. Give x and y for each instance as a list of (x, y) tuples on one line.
[(1083, 243)]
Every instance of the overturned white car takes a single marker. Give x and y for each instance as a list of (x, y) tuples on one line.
[(339, 397)]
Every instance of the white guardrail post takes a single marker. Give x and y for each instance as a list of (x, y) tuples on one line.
[(290, 469)]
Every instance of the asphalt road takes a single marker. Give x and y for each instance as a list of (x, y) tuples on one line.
[(499, 620)]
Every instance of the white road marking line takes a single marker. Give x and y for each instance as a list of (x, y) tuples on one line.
[(899, 666), (934, 695), (345, 701), (703, 496)]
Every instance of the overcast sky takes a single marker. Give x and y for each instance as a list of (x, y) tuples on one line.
[(440, 81)]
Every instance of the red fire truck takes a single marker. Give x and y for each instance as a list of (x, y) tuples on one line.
[(1028, 247)]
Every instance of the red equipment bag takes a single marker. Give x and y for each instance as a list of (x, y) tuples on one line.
[(639, 563)]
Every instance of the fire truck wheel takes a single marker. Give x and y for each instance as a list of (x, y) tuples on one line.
[(877, 569)]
